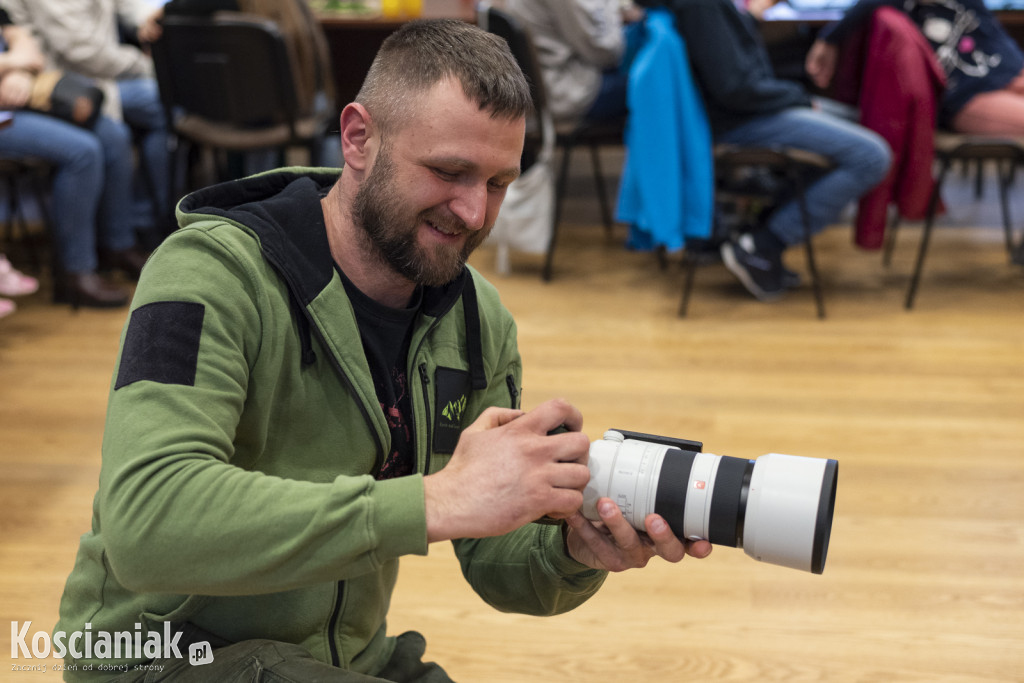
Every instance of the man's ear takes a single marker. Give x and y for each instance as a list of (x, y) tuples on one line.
[(358, 139)]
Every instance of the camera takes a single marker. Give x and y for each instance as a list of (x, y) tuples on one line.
[(778, 508)]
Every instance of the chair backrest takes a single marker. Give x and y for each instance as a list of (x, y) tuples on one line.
[(229, 68), (504, 25)]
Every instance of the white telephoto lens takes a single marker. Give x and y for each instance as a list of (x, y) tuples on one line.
[(789, 511), (627, 472), (697, 509)]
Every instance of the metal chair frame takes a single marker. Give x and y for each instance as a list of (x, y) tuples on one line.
[(1007, 153)]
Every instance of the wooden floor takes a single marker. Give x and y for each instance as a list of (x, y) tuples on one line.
[(924, 411)]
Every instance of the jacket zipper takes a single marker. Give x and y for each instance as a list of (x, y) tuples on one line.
[(333, 625), (513, 392), (425, 381)]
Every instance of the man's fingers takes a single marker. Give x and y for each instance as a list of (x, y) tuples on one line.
[(665, 542), (569, 475), (492, 418), (553, 414)]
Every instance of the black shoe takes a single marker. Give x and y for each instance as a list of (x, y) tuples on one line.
[(129, 261), (761, 275), (89, 290)]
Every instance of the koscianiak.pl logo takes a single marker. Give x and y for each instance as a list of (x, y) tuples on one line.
[(90, 650)]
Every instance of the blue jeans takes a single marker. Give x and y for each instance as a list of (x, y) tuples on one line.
[(92, 201), (860, 157), (142, 110)]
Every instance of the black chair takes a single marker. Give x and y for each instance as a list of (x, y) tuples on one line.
[(593, 136), (226, 84), (567, 136), (1006, 152), (756, 179)]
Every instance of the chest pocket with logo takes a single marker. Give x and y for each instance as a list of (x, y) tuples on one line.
[(451, 394)]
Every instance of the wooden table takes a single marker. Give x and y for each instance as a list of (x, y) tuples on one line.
[(355, 39)]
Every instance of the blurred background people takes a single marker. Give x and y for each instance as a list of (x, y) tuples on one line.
[(747, 104), (984, 65), (92, 201), (580, 44), (85, 36)]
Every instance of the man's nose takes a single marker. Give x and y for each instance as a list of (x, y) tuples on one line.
[(470, 205)]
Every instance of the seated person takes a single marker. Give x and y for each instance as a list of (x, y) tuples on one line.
[(984, 66), (92, 203), (84, 37), (747, 105), (580, 44)]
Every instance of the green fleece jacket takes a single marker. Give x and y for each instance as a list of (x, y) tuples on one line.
[(243, 432)]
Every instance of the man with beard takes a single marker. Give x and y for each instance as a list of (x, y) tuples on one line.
[(313, 383)]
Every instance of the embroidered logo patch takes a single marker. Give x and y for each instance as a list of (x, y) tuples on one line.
[(451, 395)]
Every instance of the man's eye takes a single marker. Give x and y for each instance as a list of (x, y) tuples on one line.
[(445, 175)]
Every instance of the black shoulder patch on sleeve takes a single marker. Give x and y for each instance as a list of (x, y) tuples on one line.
[(162, 344)]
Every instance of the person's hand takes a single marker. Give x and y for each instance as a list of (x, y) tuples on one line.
[(15, 89), (821, 63), (508, 471), (757, 8), (150, 30), (613, 544)]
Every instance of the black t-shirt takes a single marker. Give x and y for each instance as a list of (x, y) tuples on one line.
[(385, 333)]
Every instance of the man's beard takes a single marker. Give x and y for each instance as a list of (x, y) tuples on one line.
[(391, 229)]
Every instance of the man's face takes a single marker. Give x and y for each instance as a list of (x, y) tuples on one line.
[(433, 192)]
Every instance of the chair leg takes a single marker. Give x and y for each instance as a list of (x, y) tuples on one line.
[(690, 264), (602, 189), (890, 240), (1005, 173), (560, 186), (819, 297), (933, 204)]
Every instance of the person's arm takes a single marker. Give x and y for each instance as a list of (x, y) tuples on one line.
[(592, 28), (180, 508), (546, 569), (85, 40)]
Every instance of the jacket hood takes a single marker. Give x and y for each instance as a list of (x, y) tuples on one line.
[(283, 209)]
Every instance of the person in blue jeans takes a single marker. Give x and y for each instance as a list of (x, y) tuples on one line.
[(747, 104), (92, 181), (85, 37)]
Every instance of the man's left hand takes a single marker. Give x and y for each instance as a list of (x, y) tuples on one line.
[(613, 544)]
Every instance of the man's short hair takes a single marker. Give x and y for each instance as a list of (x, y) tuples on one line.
[(425, 52)]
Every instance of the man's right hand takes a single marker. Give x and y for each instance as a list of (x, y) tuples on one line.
[(508, 471)]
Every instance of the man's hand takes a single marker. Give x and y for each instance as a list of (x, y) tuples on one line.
[(613, 543), (507, 471)]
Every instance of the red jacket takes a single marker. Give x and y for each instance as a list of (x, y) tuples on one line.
[(899, 85)]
